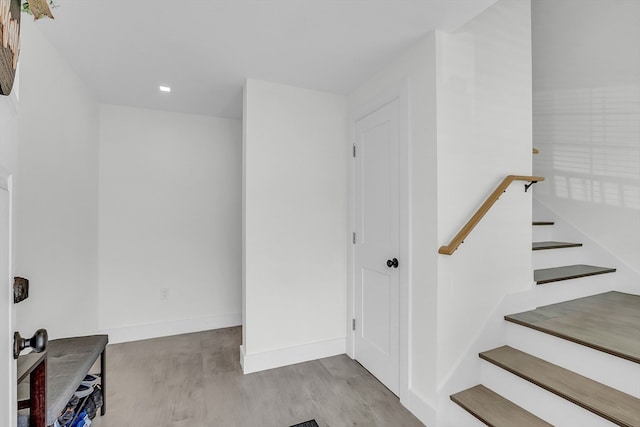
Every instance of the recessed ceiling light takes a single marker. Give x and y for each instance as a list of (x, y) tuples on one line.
[(165, 89)]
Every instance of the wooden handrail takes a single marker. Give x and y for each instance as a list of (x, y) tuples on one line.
[(480, 213)]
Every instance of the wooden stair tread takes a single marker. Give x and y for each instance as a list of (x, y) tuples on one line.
[(538, 246), (609, 403), (556, 274), (494, 410), (543, 223), (609, 322)]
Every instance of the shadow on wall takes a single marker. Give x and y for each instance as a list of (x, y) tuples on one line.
[(589, 141)]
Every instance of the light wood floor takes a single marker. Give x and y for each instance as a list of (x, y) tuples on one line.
[(609, 322), (195, 380)]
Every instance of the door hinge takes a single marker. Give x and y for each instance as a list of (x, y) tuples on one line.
[(354, 238), (354, 150), (353, 324)]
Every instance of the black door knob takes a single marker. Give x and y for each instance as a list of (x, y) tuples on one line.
[(392, 263), (38, 342)]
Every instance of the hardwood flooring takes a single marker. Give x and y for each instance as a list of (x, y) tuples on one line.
[(195, 380), (608, 322)]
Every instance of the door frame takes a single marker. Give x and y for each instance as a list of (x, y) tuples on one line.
[(399, 92), (6, 182)]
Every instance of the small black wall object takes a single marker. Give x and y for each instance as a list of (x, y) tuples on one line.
[(20, 289)]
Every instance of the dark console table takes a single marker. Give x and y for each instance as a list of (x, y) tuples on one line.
[(34, 367)]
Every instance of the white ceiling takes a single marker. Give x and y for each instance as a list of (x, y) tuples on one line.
[(205, 49)]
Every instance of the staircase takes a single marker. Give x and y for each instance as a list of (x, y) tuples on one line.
[(588, 357)]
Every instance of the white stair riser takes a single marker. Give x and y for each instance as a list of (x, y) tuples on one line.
[(544, 404), (565, 290), (460, 417), (557, 257), (543, 233), (613, 371)]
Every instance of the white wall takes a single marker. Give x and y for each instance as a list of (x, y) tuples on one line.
[(170, 222), (484, 134), (9, 131), (417, 68), (294, 225), (57, 193), (470, 126), (586, 84)]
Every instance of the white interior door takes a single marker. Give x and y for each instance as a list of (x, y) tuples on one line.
[(7, 364), (376, 210)]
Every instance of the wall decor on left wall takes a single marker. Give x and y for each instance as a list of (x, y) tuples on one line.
[(38, 8), (10, 35), (9, 43)]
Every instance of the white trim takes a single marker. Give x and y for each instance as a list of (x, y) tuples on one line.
[(5, 177), (8, 323), (175, 327), (12, 101), (13, 97), (243, 354), (351, 308), (404, 156), (288, 356), (399, 91), (421, 408)]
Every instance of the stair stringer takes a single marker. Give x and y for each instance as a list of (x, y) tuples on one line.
[(467, 371)]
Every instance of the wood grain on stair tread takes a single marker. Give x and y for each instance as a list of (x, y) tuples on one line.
[(538, 246), (608, 322), (494, 410), (543, 223), (556, 274), (609, 403)]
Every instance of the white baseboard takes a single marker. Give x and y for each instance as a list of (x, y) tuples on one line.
[(242, 355), (175, 327), (422, 409), (288, 356)]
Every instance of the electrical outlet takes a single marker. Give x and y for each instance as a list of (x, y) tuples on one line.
[(164, 293)]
